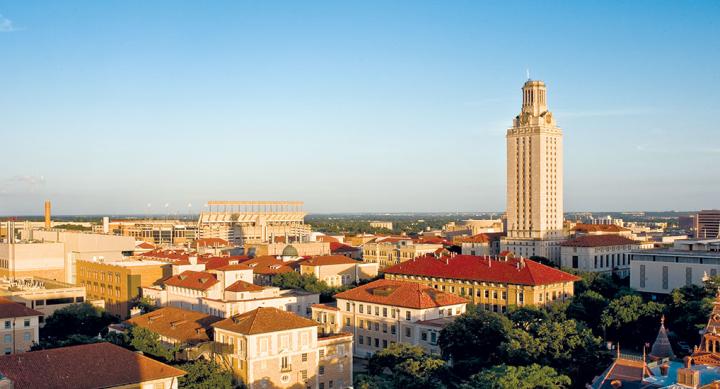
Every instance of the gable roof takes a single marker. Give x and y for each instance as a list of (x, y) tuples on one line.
[(325, 260), (268, 265), (483, 237), (96, 365), (264, 319), (401, 294), (337, 247), (582, 227), (198, 280), (9, 308), (185, 326), (242, 286), (475, 268), (598, 241)]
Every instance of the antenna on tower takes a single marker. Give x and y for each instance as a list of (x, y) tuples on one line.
[(527, 72)]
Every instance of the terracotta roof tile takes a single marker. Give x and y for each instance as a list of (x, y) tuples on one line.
[(582, 227), (198, 280), (401, 294), (474, 268), (237, 266), (97, 365), (268, 265), (9, 308), (264, 319), (337, 247), (599, 241), (185, 326), (325, 260), (242, 286)]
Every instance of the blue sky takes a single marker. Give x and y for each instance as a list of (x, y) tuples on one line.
[(123, 107)]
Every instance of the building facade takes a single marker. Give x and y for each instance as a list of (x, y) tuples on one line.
[(689, 261), (19, 327), (338, 270), (118, 283), (391, 251), (491, 283), (43, 295), (385, 312), (598, 254), (240, 222), (534, 178), (707, 224), (271, 348)]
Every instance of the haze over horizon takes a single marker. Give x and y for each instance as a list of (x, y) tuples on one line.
[(122, 108)]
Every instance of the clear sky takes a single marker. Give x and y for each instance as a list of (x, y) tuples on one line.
[(124, 107)]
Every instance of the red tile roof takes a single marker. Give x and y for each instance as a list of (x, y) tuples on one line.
[(263, 320), (337, 247), (325, 260), (484, 237), (599, 241), (185, 326), (474, 268), (97, 365), (268, 265), (145, 246), (401, 294), (242, 286), (327, 238), (9, 308), (210, 242), (237, 266), (198, 280), (598, 228)]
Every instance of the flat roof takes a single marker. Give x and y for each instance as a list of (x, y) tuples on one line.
[(677, 253), (131, 263)]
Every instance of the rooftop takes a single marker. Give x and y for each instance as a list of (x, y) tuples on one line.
[(401, 294), (582, 227), (483, 269), (325, 260), (242, 286), (198, 280), (97, 365), (263, 320), (599, 241), (175, 323), (10, 308)]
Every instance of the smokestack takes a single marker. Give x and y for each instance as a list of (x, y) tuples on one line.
[(106, 225), (47, 214)]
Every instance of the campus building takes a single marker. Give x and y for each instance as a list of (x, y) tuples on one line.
[(40, 294), (19, 327), (271, 348), (598, 254), (384, 312), (534, 178), (491, 283), (240, 222), (338, 270), (119, 282), (390, 251)]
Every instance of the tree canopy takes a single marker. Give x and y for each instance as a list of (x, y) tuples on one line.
[(204, 374), (76, 319), (517, 377), (403, 366)]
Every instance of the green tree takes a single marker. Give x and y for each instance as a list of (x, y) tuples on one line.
[(586, 306), (517, 377), (76, 319), (631, 321), (142, 339), (403, 366), (687, 311), (71, 340), (204, 374), (472, 341)]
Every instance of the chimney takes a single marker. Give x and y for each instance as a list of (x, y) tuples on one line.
[(48, 223), (616, 384), (106, 225), (664, 369)]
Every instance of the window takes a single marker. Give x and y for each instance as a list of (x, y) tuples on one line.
[(407, 315), (575, 261), (347, 307), (377, 311), (377, 342), (322, 385), (7, 324), (423, 336), (384, 343), (487, 294), (384, 328), (284, 363), (304, 358), (8, 351), (384, 312), (377, 326), (665, 277), (393, 329), (26, 323), (408, 332), (322, 353), (303, 374), (361, 308), (7, 338), (347, 321), (27, 336), (330, 384), (361, 339)]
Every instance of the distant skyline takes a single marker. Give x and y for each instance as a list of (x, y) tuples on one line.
[(124, 107)]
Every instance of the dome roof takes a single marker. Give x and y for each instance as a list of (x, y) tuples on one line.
[(290, 251)]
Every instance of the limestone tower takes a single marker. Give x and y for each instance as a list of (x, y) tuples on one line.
[(534, 178)]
